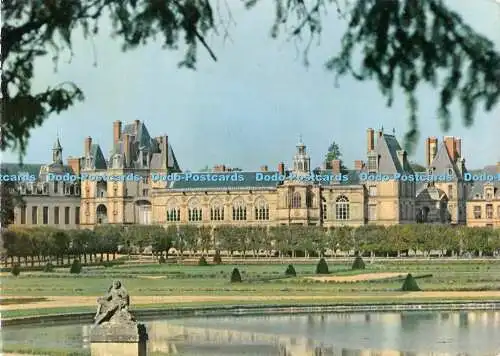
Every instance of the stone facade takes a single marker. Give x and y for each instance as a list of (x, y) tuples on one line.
[(243, 199), (135, 155), (249, 201), (47, 201), (483, 206)]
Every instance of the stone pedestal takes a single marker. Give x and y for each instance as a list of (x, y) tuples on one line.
[(110, 339)]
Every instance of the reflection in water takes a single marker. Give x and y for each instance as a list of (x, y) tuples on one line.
[(367, 334)]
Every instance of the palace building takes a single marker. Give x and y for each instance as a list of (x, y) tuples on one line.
[(285, 196), (248, 201), (47, 202)]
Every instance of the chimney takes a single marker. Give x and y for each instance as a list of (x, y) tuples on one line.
[(427, 151), (458, 146), (380, 132), (335, 166), (498, 167), (359, 165), (87, 145), (126, 149), (281, 168), (264, 168), (74, 163), (433, 144), (449, 141), (137, 123), (117, 131), (370, 139)]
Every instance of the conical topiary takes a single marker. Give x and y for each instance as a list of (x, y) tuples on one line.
[(76, 267), (16, 269), (49, 267), (410, 284), (202, 261), (358, 263), (235, 276), (290, 271), (322, 267), (217, 259)]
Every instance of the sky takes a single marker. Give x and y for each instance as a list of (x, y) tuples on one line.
[(249, 108)]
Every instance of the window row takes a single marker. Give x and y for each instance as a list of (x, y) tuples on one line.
[(239, 213), (489, 212), (36, 189), (50, 216)]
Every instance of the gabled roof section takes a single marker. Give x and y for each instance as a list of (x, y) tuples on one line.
[(99, 160), (443, 162), (387, 149)]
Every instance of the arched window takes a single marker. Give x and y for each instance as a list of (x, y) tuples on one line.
[(342, 208), (239, 210), (296, 200), (194, 210), (173, 211), (324, 211), (261, 210), (216, 211)]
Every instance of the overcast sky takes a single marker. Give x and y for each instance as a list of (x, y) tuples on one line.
[(249, 108)]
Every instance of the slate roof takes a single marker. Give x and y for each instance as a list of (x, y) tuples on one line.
[(99, 160), (32, 168), (443, 162), (477, 189), (249, 182), (387, 149), (141, 139)]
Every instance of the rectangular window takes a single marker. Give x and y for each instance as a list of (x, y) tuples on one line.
[(56, 187), (23, 215), (56, 215), (372, 191), (34, 215), (66, 215), (194, 214), (174, 215), (45, 215), (77, 215), (489, 211), (217, 214), (450, 191), (498, 212), (372, 212), (477, 212), (324, 212), (144, 192), (372, 163)]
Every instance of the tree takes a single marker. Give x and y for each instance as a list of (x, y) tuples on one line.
[(9, 200), (402, 43), (334, 153)]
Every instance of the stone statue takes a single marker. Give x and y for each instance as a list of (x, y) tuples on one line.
[(113, 307)]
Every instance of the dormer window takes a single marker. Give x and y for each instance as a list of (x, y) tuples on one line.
[(430, 171), (116, 161), (449, 171), (372, 163), (144, 159)]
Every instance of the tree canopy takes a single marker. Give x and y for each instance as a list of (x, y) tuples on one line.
[(332, 154), (397, 43)]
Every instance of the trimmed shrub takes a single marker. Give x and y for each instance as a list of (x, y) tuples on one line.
[(358, 263), (15, 270), (290, 271), (410, 284), (202, 261), (235, 276), (162, 260), (76, 267), (322, 267), (49, 267), (217, 259)]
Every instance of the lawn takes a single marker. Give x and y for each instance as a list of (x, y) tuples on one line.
[(164, 280)]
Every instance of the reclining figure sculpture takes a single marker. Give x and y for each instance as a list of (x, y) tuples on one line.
[(113, 307)]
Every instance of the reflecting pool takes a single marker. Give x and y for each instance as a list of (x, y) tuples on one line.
[(350, 334)]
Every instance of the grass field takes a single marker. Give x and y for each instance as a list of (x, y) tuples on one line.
[(258, 280), (155, 286)]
